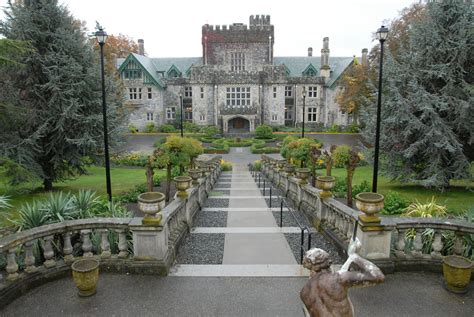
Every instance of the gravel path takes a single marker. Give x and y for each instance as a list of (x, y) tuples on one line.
[(202, 248), (211, 219), (216, 202), (317, 241)]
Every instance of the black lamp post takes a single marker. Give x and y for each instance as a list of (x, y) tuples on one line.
[(181, 112), (101, 36), (381, 36), (304, 101)]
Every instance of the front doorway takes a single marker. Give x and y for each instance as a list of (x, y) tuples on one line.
[(239, 125)]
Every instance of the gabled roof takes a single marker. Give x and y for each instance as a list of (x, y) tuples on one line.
[(181, 63), (310, 69), (298, 64), (146, 64), (175, 69)]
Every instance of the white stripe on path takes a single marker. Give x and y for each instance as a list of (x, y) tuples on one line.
[(246, 270), (256, 230), (211, 209)]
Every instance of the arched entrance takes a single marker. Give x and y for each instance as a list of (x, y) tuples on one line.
[(238, 125)]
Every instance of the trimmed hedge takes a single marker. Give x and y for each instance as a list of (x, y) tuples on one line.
[(264, 150)]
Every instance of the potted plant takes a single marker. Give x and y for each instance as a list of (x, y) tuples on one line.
[(370, 204), (151, 203), (303, 175), (85, 273), (182, 184), (457, 273), (326, 184)]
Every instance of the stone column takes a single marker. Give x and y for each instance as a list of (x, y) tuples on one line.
[(376, 240), (150, 243)]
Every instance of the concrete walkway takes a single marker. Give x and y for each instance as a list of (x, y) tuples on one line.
[(252, 247)]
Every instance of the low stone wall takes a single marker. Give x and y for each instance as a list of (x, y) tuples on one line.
[(397, 244), (122, 244)]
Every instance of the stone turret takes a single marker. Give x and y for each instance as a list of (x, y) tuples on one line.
[(325, 69)]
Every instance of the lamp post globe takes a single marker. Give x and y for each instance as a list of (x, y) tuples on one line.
[(381, 34), (101, 37)]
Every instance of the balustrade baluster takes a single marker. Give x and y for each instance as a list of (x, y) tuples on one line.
[(12, 266), (417, 244), (458, 247), (345, 225), (104, 243), (29, 258), (86, 242), (400, 245), (48, 252), (67, 249), (122, 245), (350, 227), (437, 245)]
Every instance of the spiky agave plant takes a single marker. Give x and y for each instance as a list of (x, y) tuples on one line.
[(59, 206), (31, 215), (4, 202), (84, 203)]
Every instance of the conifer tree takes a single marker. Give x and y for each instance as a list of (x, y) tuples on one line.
[(57, 92), (428, 102)]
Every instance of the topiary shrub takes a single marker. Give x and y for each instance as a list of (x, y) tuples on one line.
[(210, 131), (264, 132), (132, 128), (191, 127), (150, 127), (341, 155), (167, 128)]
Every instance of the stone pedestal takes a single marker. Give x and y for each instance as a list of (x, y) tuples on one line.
[(150, 243), (375, 241)]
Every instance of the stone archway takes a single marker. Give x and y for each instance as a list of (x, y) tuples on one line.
[(238, 125)]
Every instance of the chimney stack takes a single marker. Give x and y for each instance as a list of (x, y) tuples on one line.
[(310, 51), (325, 69), (364, 56), (141, 47)]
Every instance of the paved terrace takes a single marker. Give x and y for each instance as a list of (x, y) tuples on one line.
[(403, 294)]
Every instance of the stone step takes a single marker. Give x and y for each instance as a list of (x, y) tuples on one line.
[(245, 270), (241, 197)]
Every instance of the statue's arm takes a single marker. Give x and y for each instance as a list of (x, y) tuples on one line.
[(369, 275)]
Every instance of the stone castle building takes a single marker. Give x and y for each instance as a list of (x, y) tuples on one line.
[(237, 83)]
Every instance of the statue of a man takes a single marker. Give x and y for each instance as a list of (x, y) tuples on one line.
[(325, 294)]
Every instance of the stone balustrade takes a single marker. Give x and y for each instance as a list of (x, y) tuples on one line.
[(122, 244), (394, 244)]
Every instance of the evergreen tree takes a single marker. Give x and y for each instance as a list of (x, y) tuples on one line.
[(57, 92), (427, 127)]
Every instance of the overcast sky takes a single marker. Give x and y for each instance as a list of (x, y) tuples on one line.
[(173, 28)]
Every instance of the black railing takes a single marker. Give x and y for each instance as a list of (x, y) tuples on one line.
[(259, 177)]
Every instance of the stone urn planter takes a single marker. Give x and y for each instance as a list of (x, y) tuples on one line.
[(457, 273), (326, 184), (195, 175), (303, 175), (289, 169), (370, 204), (281, 164), (182, 184), (85, 273), (151, 203)]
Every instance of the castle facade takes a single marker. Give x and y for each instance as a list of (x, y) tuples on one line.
[(237, 83)]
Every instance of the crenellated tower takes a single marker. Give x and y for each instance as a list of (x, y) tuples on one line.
[(239, 47)]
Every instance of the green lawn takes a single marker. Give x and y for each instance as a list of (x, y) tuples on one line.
[(458, 198), (123, 179)]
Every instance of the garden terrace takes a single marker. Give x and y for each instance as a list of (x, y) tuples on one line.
[(396, 244), (123, 244)]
